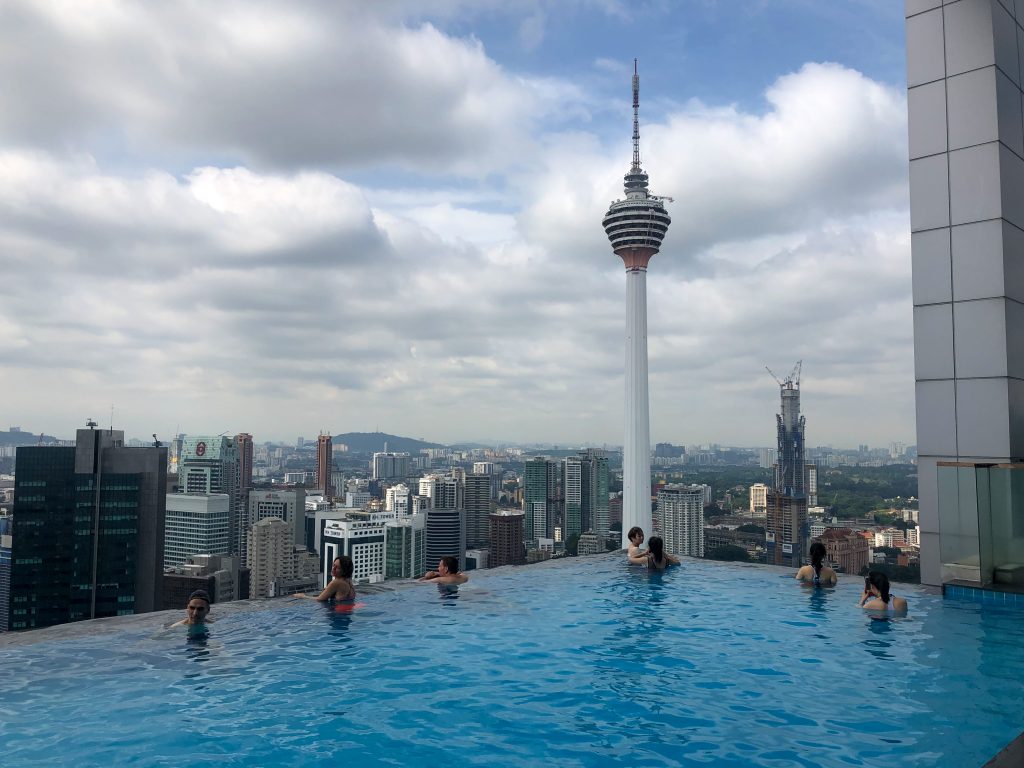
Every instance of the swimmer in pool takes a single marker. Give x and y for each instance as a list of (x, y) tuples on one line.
[(656, 558), (876, 595), (197, 611), (636, 538), (816, 574), (340, 586), (447, 572)]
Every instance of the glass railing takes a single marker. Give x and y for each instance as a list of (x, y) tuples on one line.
[(981, 522)]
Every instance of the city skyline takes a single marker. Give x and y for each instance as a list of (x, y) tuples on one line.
[(283, 219)]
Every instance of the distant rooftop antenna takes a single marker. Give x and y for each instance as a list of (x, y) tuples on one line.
[(111, 417), (636, 117), (90, 424)]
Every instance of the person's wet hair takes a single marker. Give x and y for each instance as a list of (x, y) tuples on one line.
[(657, 548), (880, 582), (451, 563), (817, 556), (347, 567), (634, 532), (200, 594)]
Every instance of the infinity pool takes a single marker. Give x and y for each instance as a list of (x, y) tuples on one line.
[(582, 662)]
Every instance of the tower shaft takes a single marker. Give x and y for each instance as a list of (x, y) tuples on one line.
[(636, 457)]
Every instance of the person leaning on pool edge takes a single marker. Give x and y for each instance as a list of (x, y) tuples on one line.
[(197, 611), (340, 586), (447, 572)]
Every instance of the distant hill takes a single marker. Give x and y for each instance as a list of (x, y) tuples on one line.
[(371, 442), (23, 438)]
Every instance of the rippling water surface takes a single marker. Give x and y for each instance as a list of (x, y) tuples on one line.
[(587, 663)]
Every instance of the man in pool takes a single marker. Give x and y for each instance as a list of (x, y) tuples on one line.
[(197, 611), (447, 572)]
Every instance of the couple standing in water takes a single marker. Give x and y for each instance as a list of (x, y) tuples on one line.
[(654, 557), (876, 595)]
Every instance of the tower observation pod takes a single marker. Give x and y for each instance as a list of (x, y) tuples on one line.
[(636, 227)]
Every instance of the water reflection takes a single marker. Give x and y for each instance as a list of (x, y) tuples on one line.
[(339, 618), (448, 591), (818, 601), (879, 645)]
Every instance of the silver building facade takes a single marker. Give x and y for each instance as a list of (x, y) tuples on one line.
[(964, 64)]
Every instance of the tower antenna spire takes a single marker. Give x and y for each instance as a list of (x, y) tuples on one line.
[(636, 118)]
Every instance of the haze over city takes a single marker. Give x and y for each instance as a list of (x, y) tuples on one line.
[(285, 218)]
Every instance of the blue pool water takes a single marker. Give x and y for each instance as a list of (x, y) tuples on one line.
[(583, 663)]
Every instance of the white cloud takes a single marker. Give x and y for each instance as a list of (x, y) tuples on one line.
[(247, 261)]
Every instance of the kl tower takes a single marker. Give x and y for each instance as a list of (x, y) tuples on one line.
[(636, 226)]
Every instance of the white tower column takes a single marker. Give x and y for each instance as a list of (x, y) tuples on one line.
[(636, 454)]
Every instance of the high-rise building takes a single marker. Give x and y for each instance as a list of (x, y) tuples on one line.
[(535, 497), (767, 457), (790, 477), (446, 535), (681, 519), (615, 510), (362, 540), (595, 495), (196, 524), (759, 500), (636, 227), (478, 509), (390, 466), (88, 530), (288, 504), (5, 571), (276, 565), (506, 536), (444, 491), (397, 499), (324, 464), (245, 462), (210, 465), (572, 487), (405, 545), (811, 482), (786, 531)]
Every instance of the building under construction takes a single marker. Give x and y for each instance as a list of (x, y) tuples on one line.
[(786, 526)]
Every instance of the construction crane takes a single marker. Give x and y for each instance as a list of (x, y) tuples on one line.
[(793, 378)]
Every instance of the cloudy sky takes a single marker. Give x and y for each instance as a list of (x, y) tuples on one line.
[(290, 217)]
